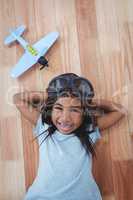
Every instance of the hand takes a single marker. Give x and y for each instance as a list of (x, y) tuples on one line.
[(37, 99)]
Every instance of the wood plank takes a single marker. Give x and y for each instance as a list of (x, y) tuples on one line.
[(123, 179), (87, 34), (120, 142), (12, 180), (30, 153), (102, 163), (11, 148)]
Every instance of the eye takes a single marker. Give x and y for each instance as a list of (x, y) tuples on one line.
[(75, 110), (57, 108)]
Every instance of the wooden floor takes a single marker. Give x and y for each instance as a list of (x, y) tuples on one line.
[(96, 41)]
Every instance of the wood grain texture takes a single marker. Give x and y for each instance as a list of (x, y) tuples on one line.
[(96, 41), (123, 179)]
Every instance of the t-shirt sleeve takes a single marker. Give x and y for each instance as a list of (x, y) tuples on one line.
[(95, 135), (40, 129)]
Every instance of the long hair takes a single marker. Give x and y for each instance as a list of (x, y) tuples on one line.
[(71, 85)]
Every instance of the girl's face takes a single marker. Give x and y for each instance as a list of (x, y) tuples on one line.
[(67, 114)]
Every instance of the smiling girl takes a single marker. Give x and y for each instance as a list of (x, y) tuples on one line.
[(68, 121)]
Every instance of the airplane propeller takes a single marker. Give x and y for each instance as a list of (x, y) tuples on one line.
[(43, 61)]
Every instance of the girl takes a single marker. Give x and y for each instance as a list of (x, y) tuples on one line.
[(68, 121)]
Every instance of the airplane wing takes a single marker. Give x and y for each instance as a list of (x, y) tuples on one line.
[(25, 62), (43, 45)]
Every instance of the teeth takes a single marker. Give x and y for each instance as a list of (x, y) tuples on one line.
[(65, 125)]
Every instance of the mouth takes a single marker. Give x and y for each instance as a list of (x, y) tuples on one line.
[(65, 127)]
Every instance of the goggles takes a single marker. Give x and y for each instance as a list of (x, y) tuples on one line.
[(75, 85)]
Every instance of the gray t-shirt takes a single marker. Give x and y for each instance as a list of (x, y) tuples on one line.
[(65, 169)]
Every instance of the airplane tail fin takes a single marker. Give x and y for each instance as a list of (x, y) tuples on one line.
[(17, 32)]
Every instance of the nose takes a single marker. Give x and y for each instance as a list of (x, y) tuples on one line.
[(66, 117)]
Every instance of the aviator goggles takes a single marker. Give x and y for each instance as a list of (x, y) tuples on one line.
[(73, 84)]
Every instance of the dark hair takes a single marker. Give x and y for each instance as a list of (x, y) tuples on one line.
[(72, 85)]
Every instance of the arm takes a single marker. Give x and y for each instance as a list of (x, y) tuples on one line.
[(113, 113), (29, 104)]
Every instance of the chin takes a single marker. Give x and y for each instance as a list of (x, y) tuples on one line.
[(66, 132)]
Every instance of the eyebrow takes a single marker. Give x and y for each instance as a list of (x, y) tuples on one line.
[(58, 104)]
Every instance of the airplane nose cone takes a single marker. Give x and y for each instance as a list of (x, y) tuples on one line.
[(42, 61)]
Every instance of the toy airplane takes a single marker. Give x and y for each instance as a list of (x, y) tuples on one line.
[(33, 54)]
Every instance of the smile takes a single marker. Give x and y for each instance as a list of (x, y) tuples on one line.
[(64, 126)]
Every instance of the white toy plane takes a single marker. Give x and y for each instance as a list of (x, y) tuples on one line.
[(33, 54)]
